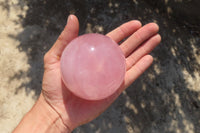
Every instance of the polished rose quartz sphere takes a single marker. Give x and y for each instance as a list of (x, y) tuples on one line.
[(92, 66)]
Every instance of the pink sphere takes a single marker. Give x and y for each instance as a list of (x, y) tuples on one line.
[(93, 66)]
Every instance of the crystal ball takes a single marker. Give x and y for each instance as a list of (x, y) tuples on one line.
[(93, 66)]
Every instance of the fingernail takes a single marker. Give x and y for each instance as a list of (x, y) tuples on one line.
[(68, 19)]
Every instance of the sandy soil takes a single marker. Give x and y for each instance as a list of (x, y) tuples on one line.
[(165, 99), (13, 103)]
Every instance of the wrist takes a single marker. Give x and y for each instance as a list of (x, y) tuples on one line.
[(42, 118)]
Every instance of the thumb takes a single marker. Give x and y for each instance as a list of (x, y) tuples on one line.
[(68, 34)]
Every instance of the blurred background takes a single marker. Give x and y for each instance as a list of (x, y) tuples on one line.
[(165, 99)]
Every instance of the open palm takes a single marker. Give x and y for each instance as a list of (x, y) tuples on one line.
[(75, 111)]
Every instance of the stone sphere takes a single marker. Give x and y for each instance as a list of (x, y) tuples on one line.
[(93, 66)]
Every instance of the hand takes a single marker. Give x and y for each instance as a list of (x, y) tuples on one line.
[(75, 111)]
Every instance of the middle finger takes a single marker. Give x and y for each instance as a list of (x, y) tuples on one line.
[(138, 38)]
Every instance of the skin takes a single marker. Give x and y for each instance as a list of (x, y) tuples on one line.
[(60, 110)]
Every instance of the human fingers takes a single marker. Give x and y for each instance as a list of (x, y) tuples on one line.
[(124, 30), (69, 33), (138, 38), (135, 71), (144, 49)]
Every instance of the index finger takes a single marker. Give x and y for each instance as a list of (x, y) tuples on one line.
[(124, 30)]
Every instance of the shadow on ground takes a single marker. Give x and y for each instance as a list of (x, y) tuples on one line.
[(161, 100)]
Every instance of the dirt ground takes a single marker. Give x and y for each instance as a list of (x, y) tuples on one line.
[(166, 99)]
